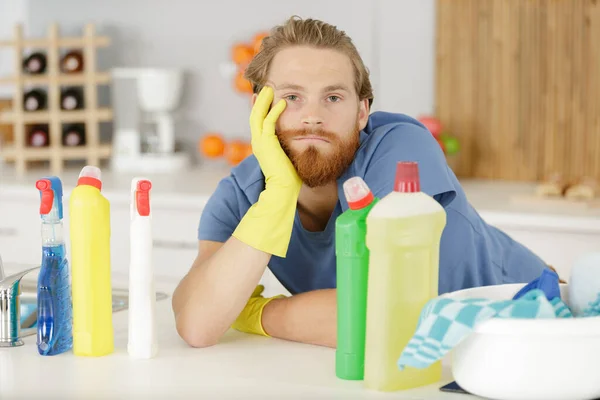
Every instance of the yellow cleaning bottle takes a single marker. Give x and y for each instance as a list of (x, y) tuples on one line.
[(89, 214), (403, 236)]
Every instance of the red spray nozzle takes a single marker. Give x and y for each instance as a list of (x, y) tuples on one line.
[(47, 195), (142, 197)]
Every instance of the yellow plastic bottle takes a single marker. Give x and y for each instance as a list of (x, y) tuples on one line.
[(89, 214), (403, 236)]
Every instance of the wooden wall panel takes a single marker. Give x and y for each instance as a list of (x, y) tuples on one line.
[(518, 82)]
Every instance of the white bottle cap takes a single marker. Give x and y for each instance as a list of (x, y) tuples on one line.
[(89, 171), (357, 192), (91, 176)]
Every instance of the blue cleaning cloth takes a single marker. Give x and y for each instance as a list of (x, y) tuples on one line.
[(445, 322), (548, 282)]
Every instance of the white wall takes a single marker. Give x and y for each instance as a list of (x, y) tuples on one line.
[(406, 49), (11, 12), (395, 38)]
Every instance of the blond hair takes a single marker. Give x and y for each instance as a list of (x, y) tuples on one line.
[(307, 32)]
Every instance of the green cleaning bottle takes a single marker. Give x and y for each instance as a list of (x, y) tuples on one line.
[(352, 265)]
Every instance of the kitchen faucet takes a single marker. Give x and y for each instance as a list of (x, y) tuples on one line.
[(10, 310), (1, 270)]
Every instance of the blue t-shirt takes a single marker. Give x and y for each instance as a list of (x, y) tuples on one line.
[(472, 253)]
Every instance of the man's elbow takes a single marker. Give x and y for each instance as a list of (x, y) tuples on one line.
[(196, 334)]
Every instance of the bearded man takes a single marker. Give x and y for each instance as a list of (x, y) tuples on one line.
[(312, 129)]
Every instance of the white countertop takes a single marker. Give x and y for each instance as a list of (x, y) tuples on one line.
[(494, 200), (513, 204), (240, 366), (186, 189)]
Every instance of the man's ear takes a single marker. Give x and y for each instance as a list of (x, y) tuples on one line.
[(363, 113)]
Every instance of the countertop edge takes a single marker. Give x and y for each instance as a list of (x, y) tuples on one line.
[(494, 215)]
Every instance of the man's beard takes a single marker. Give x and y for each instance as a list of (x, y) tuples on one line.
[(316, 167)]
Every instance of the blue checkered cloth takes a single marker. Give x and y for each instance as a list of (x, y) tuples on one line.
[(445, 322), (593, 308)]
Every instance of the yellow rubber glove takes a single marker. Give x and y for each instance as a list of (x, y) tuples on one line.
[(267, 225), (250, 319)]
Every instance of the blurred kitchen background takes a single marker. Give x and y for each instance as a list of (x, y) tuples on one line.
[(395, 38), (510, 90)]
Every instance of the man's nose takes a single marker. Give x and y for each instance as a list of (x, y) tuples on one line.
[(312, 118)]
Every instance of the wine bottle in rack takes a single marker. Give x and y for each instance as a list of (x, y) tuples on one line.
[(34, 100), (35, 63), (38, 136), (71, 99), (73, 135), (72, 62)]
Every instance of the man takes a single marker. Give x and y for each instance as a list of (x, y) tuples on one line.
[(311, 131)]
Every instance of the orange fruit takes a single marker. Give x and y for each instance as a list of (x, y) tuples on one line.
[(241, 84), (242, 53), (257, 41), (237, 151), (212, 145), (248, 149)]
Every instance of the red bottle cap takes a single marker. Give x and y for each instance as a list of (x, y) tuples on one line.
[(357, 193), (407, 177)]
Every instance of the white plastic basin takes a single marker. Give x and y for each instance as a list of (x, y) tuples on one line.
[(537, 359)]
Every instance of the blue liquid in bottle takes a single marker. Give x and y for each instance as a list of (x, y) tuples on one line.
[(54, 304), (55, 315)]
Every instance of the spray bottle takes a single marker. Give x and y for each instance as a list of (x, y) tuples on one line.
[(352, 265), (142, 340), (89, 213), (404, 231), (54, 306)]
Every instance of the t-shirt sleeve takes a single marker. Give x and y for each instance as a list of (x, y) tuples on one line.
[(221, 214), (408, 142)]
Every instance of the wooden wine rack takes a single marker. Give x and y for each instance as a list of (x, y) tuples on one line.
[(90, 115)]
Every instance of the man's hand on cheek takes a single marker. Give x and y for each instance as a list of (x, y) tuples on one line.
[(274, 163), (268, 224)]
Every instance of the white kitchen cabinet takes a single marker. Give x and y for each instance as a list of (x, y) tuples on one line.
[(558, 239), (20, 229), (559, 249), (174, 233)]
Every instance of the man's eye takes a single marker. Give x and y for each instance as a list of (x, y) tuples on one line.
[(333, 99), (291, 97)]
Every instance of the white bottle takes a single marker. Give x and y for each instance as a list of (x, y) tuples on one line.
[(142, 340)]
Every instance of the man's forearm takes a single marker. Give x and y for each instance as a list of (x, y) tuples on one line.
[(307, 317), (213, 293)]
